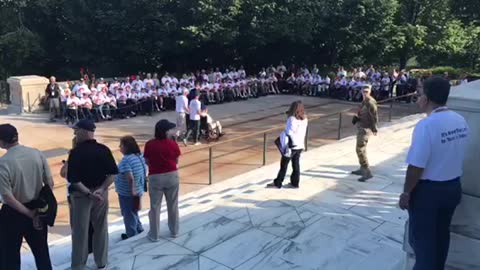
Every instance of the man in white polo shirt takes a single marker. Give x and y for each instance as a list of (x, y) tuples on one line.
[(181, 107), (432, 187), (195, 109)]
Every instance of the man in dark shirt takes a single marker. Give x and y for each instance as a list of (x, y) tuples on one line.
[(91, 170), (53, 96)]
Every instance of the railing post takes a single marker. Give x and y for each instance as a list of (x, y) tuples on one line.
[(339, 135), (264, 148), (210, 167), (306, 138), (28, 101), (390, 112)]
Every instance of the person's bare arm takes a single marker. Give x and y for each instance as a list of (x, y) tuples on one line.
[(411, 180), (18, 206), (131, 182), (47, 174), (106, 184), (81, 188)]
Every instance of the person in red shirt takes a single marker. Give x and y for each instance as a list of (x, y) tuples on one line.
[(161, 154)]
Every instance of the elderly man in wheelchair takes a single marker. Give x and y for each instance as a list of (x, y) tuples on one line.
[(210, 129)]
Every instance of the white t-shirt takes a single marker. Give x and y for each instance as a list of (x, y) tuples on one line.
[(195, 107), (385, 83), (438, 145), (137, 84), (73, 102), (148, 81), (361, 74), (100, 99), (297, 129), (85, 102), (181, 102)]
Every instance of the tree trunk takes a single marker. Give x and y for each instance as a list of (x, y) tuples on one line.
[(403, 60)]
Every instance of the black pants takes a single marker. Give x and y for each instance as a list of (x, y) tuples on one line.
[(87, 114), (13, 228), (195, 128), (72, 115), (295, 176), (147, 106), (430, 212)]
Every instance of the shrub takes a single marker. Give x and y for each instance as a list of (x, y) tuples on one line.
[(453, 73)]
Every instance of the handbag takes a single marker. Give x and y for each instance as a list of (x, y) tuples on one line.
[(279, 144), (145, 183)]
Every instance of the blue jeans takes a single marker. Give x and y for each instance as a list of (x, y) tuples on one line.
[(432, 205), (133, 226)]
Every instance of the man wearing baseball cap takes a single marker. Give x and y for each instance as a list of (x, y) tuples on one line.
[(23, 173), (91, 170)]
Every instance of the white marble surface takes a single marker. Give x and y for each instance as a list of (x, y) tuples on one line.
[(331, 222), (465, 99)]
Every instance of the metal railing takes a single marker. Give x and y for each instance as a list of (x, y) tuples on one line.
[(340, 114)]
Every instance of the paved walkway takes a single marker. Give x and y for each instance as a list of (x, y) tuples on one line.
[(331, 222)]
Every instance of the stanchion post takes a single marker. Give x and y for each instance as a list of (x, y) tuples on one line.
[(28, 101), (210, 165), (390, 111), (264, 149), (306, 138), (339, 135)]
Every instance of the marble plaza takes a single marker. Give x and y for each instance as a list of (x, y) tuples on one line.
[(331, 222)]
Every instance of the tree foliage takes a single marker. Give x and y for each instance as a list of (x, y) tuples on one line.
[(124, 36)]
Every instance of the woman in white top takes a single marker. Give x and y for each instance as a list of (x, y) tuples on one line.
[(85, 106), (72, 109), (295, 131)]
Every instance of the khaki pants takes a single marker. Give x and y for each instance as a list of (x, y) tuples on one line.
[(362, 139), (83, 211), (54, 106), (181, 125), (163, 184)]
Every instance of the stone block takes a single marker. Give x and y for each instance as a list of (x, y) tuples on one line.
[(25, 93)]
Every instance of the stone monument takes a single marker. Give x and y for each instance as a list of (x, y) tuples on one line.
[(25, 93), (465, 229)]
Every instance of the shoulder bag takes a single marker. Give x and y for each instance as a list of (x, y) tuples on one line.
[(145, 183)]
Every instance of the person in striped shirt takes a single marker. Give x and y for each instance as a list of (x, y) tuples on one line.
[(129, 185)]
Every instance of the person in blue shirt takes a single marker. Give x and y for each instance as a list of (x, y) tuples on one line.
[(129, 184)]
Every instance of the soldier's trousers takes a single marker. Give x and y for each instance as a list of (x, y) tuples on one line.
[(362, 139)]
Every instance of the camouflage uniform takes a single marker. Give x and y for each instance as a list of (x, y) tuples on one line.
[(366, 125)]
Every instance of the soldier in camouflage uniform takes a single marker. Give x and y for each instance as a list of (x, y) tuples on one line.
[(366, 122)]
